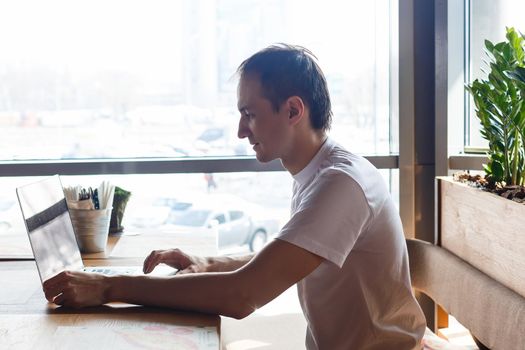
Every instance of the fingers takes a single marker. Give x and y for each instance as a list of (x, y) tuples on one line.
[(67, 299), (59, 299), (55, 285), (152, 260), (172, 257), (76, 289), (54, 289)]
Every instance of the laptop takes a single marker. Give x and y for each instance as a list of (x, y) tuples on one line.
[(51, 233)]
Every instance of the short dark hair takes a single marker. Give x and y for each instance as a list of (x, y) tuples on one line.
[(287, 70)]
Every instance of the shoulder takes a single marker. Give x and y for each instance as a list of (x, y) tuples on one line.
[(356, 167), (345, 169)]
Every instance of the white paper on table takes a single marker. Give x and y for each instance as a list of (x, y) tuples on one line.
[(144, 336)]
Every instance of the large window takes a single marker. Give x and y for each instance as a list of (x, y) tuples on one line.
[(112, 80)]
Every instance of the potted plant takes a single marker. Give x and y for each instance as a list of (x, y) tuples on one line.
[(498, 103), (481, 227)]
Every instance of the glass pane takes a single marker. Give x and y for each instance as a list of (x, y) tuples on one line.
[(106, 78), (166, 211), (174, 210), (488, 20)]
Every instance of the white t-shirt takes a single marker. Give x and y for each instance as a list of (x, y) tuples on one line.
[(360, 296)]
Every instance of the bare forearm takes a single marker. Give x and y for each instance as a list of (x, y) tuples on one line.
[(225, 263), (216, 293), (236, 294)]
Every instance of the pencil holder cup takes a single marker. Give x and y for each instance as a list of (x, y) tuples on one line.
[(91, 228)]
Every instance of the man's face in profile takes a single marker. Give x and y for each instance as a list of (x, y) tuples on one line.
[(264, 128)]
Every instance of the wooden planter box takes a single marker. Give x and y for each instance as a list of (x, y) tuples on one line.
[(483, 229)]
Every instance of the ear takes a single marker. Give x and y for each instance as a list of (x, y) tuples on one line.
[(296, 109)]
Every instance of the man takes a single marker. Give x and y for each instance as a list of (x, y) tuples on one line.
[(343, 246)]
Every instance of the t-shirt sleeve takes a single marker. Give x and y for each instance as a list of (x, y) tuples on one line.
[(329, 218)]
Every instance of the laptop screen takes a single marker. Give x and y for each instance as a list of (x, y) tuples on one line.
[(49, 227)]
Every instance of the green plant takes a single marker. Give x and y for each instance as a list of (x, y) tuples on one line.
[(498, 102), (518, 75), (120, 199)]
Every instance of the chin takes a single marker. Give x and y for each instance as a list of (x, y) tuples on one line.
[(260, 158), (263, 158)]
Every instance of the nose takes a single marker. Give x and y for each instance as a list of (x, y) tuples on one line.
[(244, 130)]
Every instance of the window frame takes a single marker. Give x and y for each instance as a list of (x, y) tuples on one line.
[(452, 100), (188, 165)]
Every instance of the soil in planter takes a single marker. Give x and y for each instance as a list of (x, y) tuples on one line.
[(515, 193)]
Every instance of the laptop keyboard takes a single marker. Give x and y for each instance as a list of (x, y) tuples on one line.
[(107, 271), (118, 270)]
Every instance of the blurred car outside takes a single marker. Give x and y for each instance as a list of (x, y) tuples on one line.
[(236, 222), (177, 206), (155, 212), (147, 214)]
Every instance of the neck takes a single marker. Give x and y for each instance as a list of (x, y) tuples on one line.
[(302, 152)]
